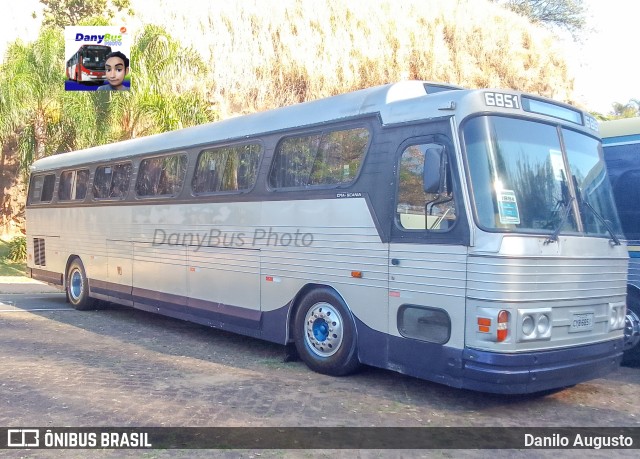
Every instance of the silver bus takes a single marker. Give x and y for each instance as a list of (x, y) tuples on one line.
[(621, 145), (466, 237)]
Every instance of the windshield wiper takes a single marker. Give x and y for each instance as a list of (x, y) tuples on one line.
[(565, 215), (602, 220), (615, 239)]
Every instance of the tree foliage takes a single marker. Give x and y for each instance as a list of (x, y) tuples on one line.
[(568, 15), (629, 110), (62, 13), (33, 84), (159, 101)]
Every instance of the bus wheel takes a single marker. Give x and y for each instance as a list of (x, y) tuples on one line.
[(78, 286), (631, 354), (325, 334)]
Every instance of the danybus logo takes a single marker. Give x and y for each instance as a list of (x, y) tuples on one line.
[(109, 39)]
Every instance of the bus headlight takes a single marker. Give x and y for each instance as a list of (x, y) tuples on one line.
[(544, 325), (617, 313), (534, 324), (528, 325)]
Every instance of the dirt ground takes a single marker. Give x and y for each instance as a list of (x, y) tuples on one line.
[(122, 367)]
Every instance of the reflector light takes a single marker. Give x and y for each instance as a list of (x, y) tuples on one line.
[(484, 324), (356, 274)]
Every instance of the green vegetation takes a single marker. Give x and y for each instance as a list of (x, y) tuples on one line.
[(61, 13), (194, 62), (8, 267), (270, 54), (568, 15), (18, 249)]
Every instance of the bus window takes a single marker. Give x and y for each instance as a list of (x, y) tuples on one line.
[(120, 181), (416, 209), (112, 182), (626, 191), (73, 185), (162, 176), (331, 158), (226, 169), (591, 183), (41, 188), (82, 184), (47, 188)]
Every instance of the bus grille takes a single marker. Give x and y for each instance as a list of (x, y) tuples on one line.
[(38, 251)]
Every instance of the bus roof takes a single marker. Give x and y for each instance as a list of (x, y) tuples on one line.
[(623, 130), (395, 103), (362, 102)]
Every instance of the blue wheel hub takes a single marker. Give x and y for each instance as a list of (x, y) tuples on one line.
[(76, 285), (324, 330)]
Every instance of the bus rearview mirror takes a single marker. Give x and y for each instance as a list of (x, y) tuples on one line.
[(435, 166)]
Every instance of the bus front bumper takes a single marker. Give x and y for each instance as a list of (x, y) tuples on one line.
[(538, 371)]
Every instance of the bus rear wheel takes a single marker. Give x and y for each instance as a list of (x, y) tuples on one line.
[(78, 286), (325, 334)]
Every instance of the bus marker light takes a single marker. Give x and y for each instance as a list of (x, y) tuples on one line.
[(484, 325), (356, 274), (269, 278)]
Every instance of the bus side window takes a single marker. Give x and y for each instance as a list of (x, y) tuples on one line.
[(120, 181), (82, 183), (64, 187), (47, 188), (416, 209), (626, 191), (327, 159), (161, 176), (41, 188), (232, 168), (102, 182), (73, 185)]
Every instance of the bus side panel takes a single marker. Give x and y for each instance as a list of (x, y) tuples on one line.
[(335, 238), (634, 263)]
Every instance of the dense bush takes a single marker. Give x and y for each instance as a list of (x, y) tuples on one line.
[(18, 249)]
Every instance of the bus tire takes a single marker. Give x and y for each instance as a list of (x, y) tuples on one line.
[(77, 286), (631, 354), (325, 334)]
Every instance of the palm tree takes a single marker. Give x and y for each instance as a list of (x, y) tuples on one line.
[(34, 75), (159, 101)]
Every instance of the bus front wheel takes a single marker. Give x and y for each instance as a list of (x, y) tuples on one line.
[(325, 334), (78, 286)]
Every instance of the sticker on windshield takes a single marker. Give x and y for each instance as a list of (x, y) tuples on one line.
[(508, 207), (557, 164)]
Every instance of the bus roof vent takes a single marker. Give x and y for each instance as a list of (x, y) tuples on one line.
[(405, 90), (432, 88), (411, 89)]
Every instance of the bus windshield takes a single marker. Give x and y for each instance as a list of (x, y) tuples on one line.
[(93, 57), (523, 180)]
